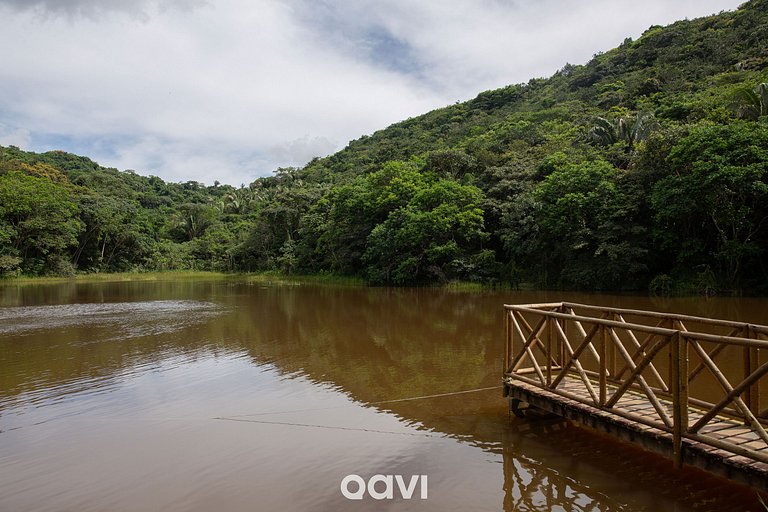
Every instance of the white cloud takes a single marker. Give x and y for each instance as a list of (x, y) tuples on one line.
[(300, 151), (182, 161), (138, 9), (233, 89), (11, 136), (465, 44)]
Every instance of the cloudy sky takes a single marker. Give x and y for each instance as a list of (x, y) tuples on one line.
[(230, 90)]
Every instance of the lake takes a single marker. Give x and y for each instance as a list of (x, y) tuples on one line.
[(229, 395)]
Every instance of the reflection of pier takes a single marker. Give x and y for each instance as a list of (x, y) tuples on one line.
[(536, 478), (531, 485), (553, 464), (683, 386)]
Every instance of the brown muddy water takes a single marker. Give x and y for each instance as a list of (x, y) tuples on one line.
[(226, 396)]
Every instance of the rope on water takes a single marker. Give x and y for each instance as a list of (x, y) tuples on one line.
[(409, 399), (242, 418), (435, 396), (332, 427)]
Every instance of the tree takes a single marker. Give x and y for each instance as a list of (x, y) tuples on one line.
[(629, 131), (451, 163), (752, 104), (283, 202), (584, 223), (419, 242), (193, 220), (355, 209), (715, 205), (38, 221), (111, 230)]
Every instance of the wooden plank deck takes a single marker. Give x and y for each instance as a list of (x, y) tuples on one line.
[(614, 421), (692, 388)]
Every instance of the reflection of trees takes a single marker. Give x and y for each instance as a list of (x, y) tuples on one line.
[(376, 344)]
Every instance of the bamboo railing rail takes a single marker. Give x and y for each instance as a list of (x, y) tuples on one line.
[(676, 362)]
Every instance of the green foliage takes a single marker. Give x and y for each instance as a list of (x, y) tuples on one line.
[(10, 266), (715, 202), (192, 221), (629, 131), (111, 238), (752, 104), (582, 216), (426, 239), (37, 220)]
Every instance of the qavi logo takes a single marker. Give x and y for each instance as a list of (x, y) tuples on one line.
[(354, 487)]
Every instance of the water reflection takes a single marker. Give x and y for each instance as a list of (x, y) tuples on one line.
[(150, 317), (305, 377)]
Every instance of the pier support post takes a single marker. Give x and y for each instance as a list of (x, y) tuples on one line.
[(679, 382)]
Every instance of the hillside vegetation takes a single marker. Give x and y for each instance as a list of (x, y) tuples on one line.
[(647, 167)]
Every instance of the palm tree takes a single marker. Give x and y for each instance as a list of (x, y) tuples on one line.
[(234, 203), (242, 200), (606, 132), (752, 103)]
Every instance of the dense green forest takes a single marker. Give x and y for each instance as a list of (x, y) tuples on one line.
[(646, 168)]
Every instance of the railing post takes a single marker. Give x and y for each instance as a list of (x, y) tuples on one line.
[(754, 396), (561, 345), (603, 368), (679, 380), (751, 356), (548, 350), (508, 340), (611, 354)]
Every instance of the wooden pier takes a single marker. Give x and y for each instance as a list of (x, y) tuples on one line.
[(690, 388)]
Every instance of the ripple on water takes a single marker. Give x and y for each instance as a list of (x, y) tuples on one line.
[(73, 374), (131, 319)]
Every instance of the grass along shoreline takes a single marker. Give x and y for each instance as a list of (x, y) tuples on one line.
[(265, 277), (181, 275), (278, 277)]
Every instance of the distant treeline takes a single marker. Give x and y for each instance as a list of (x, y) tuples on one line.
[(646, 168)]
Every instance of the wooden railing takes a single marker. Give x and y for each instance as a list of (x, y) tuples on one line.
[(690, 369)]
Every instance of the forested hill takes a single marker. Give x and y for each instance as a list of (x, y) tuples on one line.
[(646, 167)]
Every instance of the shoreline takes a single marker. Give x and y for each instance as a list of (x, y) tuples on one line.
[(182, 275), (276, 277)]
